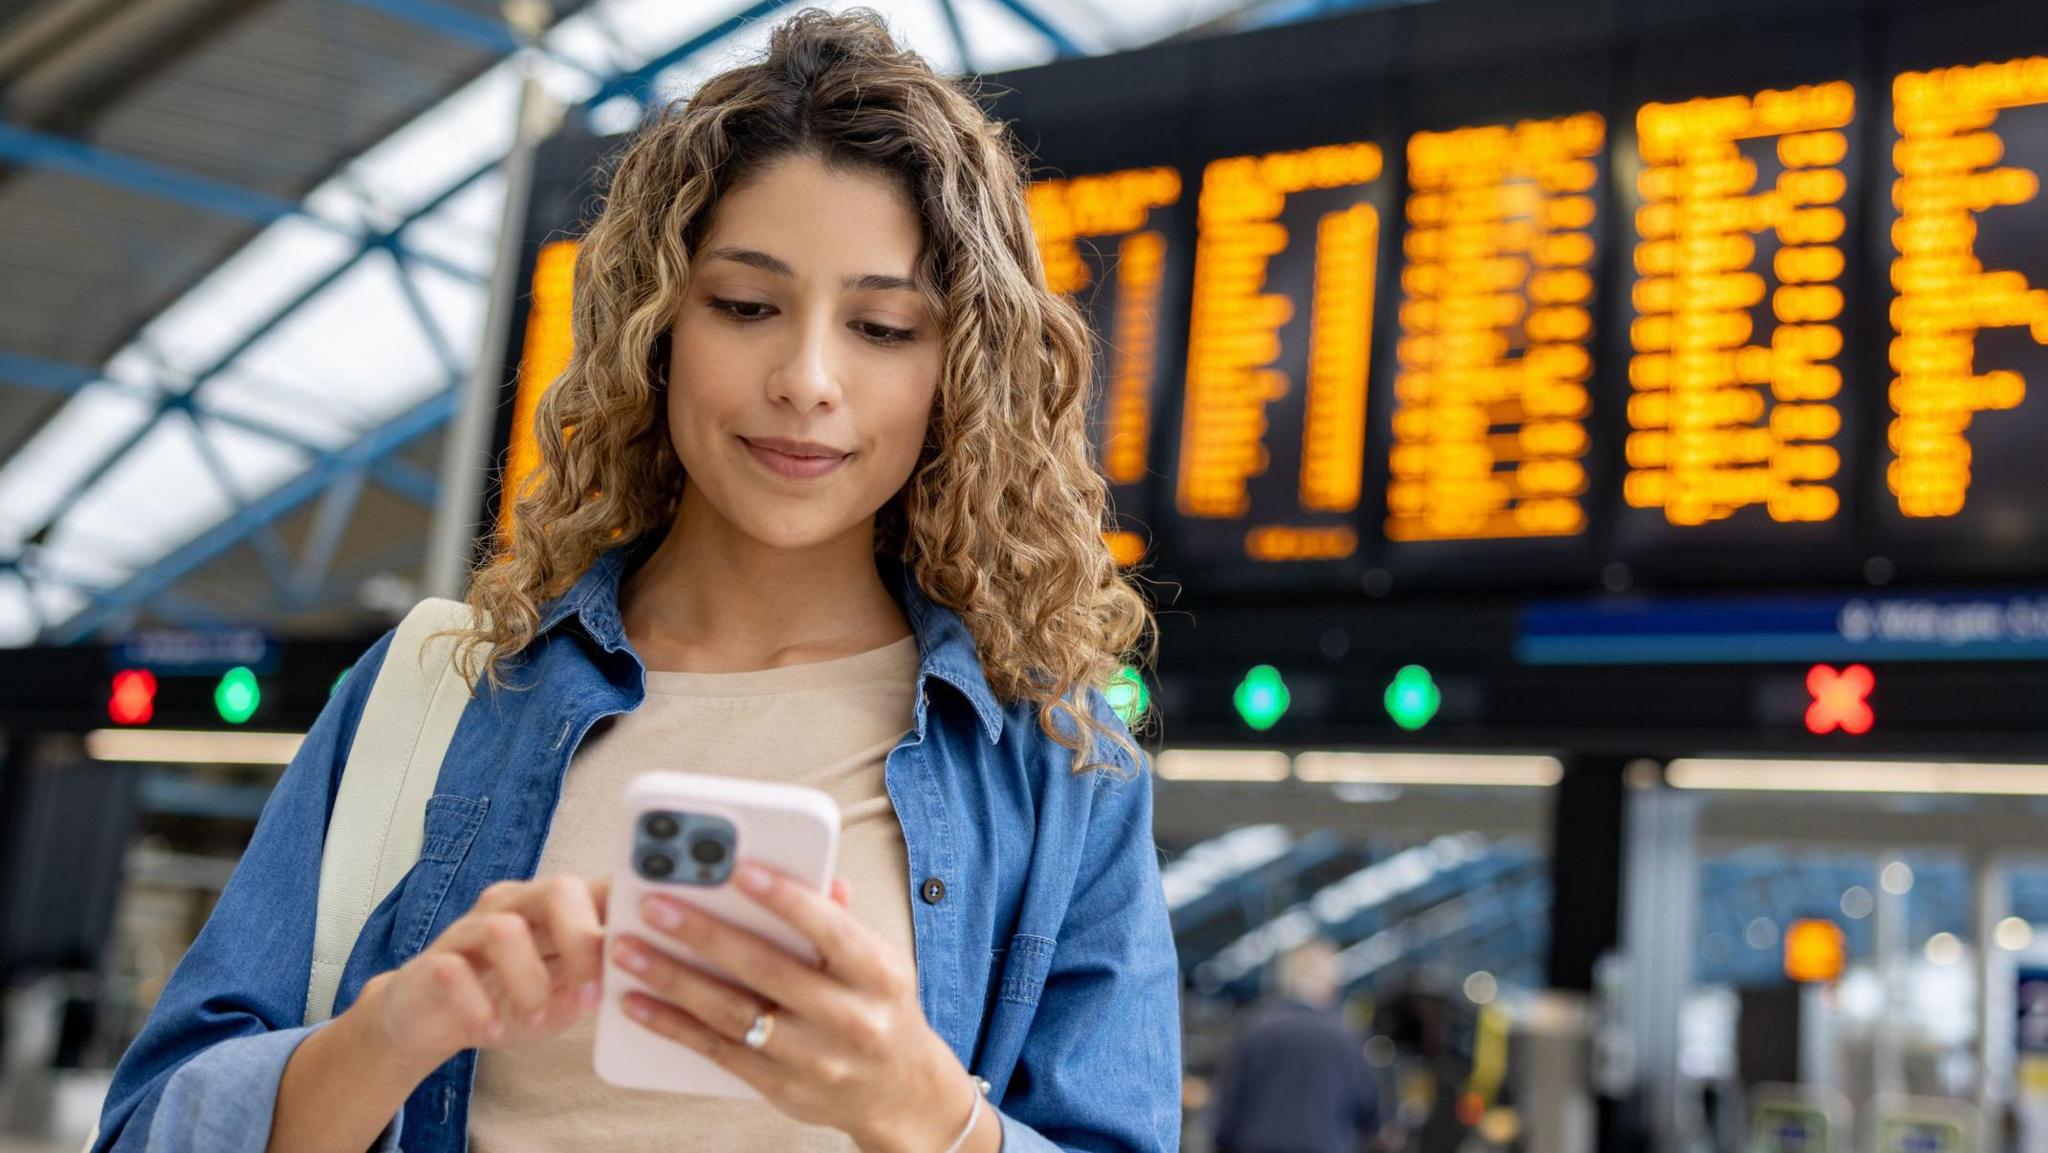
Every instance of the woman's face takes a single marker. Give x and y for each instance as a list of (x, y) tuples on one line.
[(804, 361)]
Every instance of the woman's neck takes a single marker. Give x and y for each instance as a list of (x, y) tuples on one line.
[(709, 599)]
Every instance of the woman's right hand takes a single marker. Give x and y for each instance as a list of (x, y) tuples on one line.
[(522, 965)]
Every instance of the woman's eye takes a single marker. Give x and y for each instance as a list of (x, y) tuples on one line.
[(883, 334), (741, 309)]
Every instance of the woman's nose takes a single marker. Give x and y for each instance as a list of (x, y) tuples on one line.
[(805, 379)]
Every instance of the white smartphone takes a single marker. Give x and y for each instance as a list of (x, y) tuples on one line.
[(680, 835)]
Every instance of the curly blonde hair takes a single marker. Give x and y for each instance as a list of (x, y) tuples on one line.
[(1002, 518)]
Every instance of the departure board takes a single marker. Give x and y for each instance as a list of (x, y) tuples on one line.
[(1965, 478), (1272, 441), (1110, 241), (545, 346), (1421, 302), (1494, 358), (566, 178), (1736, 372)]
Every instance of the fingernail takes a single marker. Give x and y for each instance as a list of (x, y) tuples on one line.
[(587, 994), (629, 955), (752, 878), (638, 1011), (663, 913)]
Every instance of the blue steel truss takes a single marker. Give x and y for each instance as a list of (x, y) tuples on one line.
[(335, 477), (27, 148)]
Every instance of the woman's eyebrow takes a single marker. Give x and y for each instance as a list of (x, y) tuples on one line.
[(752, 258)]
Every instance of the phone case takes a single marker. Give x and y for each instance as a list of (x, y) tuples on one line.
[(789, 828)]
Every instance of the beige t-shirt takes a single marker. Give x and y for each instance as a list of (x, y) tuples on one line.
[(830, 725)]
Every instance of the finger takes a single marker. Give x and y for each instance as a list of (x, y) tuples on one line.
[(572, 928), (565, 1003), (509, 950), (458, 991), (668, 1021), (766, 967), (568, 1004), (469, 932), (795, 1044), (842, 893), (502, 895), (846, 945), (601, 895), (720, 1004)]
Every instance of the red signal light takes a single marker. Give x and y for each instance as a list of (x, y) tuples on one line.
[(133, 700), (1839, 699)]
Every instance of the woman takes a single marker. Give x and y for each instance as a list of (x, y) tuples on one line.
[(815, 506)]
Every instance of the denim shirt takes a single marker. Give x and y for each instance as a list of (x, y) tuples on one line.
[(1044, 956)]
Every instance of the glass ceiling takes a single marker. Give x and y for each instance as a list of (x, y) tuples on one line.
[(282, 386)]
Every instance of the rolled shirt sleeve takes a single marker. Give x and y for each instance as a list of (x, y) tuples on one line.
[(215, 1100)]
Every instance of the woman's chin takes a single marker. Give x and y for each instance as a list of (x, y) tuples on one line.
[(793, 534)]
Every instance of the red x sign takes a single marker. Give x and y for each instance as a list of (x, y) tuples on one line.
[(1839, 699)]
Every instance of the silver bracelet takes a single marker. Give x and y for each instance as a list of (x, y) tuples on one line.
[(973, 1115)]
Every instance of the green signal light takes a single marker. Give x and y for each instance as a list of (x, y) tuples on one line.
[(1261, 697), (237, 695), (1412, 697), (1127, 695)]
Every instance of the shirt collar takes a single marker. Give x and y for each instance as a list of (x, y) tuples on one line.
[(945, 648)]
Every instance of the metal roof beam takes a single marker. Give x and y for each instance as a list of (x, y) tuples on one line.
[(959, 34), (330, 523), (187, 612), (23, 146), (1061, 44), (27, 147), (45, 375), (638, 83), (408, 480), (75, 158), (429, 324), (449, 21), (249, 340), (161, 574), (342, 586), (468, 27), (277, 561), (62, 379)]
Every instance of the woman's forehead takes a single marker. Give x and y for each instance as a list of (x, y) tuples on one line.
[(819, 220)]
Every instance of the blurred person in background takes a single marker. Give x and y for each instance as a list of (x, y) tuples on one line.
[(1296, 1081), (1431, 1068), (815, 506)]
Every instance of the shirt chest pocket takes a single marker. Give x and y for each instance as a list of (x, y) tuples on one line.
[(451, 826)]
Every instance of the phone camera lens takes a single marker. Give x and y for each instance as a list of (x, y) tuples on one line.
[(706, 851), (657, 864), (661, 826)]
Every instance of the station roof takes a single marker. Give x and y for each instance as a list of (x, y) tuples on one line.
[(244, 249)]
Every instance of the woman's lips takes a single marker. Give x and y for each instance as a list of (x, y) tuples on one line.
[(794, 467)]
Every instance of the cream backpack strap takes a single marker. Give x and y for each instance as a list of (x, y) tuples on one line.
[(379, 818)]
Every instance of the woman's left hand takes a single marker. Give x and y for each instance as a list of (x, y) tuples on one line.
[(848, 1047)]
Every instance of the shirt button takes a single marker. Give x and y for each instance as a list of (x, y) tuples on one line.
[(934, 890)]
